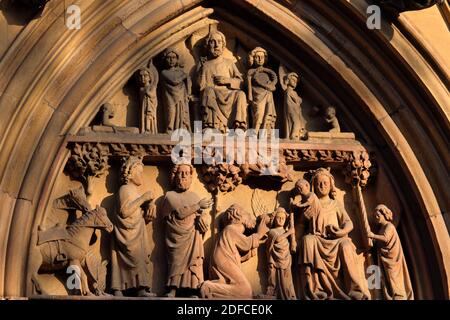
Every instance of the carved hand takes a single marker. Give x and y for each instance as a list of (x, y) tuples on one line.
[(293, 246), (148, 196), (262, 226), (150, 213), (335, 232), (205, 203), (371, 234)]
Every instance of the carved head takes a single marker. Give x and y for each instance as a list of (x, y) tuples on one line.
[(132, 170), (181, 176), (303, 187), (292, 79), (323, 183), (171, 57), (235, 214), (383, 213), (257, 57), (144, 77), (108, 112), (330, 113), (280, 216), (215, 43)]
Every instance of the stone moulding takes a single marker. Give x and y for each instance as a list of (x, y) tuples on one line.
[(322, 147)]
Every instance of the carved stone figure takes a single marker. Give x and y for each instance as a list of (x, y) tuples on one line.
[(328, 256), (131, 246), (186, 222), (231, 248), (261, 85), (331, 119), (397, 284), (279, 257), (224, 104), (148, 80), (107, 114), (310, 206), (175, 87), (62, 246), (295, 124)]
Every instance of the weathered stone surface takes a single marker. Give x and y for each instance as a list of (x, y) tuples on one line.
[(384, 139)]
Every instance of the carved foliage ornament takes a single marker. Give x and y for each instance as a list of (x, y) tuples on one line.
[(87, 161)]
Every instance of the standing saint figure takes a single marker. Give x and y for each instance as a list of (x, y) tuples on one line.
[(328, 260), (175, 86), (295, 123), (131, 251), (397, 284), (186, 221), (280, 282), (224, 104), (148, 80), (233, 247), (261, 83)]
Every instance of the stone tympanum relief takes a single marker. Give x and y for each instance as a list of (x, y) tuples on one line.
[(218, 89), (223, 230)]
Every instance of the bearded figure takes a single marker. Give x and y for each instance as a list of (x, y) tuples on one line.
[(224, 103), (186, 221)]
